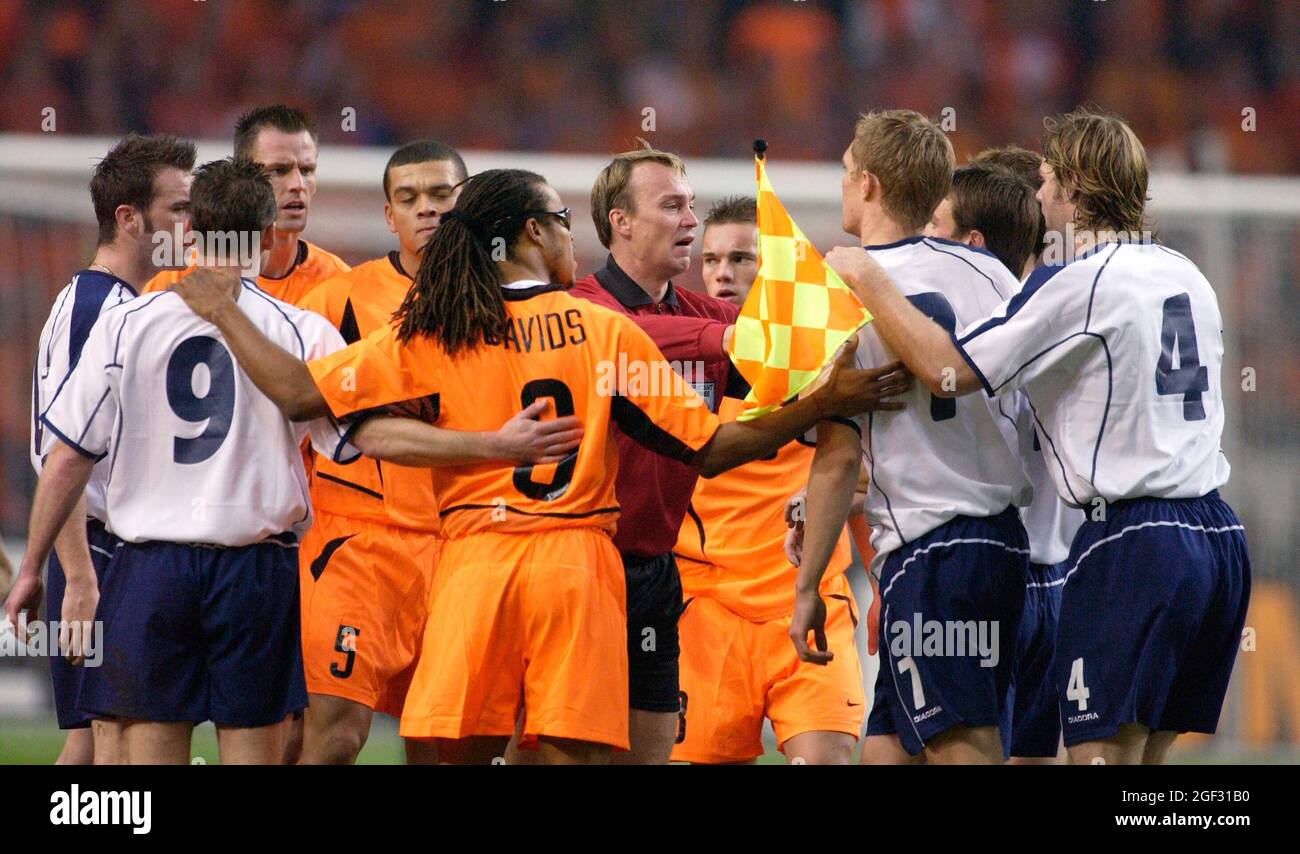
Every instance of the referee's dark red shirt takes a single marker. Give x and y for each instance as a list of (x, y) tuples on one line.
[(654, 491)]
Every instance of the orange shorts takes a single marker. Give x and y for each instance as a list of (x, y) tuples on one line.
[(364, 602), (735, 672), (533, 622)]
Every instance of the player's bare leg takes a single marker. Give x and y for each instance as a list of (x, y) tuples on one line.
[(293, 742), (474, 750), (334, 730), (155, 743), (567, 751), (1125, 747), (110, 746), (651, 735), (819, 748), (1157, 747), (421, 751), (515, 756), (78, 748), (978, 745), (258, 745), (1034, 760), (886, 750)]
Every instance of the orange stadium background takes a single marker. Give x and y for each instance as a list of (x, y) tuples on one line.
[(1212, 87)]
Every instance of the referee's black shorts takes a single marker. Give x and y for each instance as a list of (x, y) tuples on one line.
[(654, 602)]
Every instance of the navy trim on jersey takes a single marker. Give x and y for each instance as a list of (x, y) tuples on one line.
[(1037, 279), (872, 247), (395, 258), (299, 257), (302, 348), (65, 440), (513, 295), (928, 243), (640, 428), (87, 304), (967, 246), (117, 343), (1065, 477), (1093, 293), (975, 369), (344, 482)]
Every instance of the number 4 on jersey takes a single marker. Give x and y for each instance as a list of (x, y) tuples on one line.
[(1190, 378)]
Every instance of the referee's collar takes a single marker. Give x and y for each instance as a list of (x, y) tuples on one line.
[(631, 295)]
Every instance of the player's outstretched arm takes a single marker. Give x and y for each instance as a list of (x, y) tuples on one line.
[(832, 482), (522, 439), (277, 373), (849, 391), (923, 345), (61, 486)]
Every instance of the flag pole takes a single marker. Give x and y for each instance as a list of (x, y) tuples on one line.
[(760, 149)]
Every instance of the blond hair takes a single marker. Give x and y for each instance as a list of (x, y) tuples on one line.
[(910, 156), (611, 188), (1101, 167)]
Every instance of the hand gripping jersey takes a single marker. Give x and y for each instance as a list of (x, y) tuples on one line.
[(1119, 352), (358, 303), (312, 266), (940, 457), (75, 311), (557, 347), (196, 454), (732, 540)]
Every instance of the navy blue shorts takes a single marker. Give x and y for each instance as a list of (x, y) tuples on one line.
[(1152, 610), (654, 604), (1035, 713), (195, 633), (950, 615), (67, 677)]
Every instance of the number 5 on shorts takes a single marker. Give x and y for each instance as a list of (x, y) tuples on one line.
[(346, 643)]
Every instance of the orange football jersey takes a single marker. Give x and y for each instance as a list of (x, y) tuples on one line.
[(586, 359), (313, 266), (733, 535), (358, 303)]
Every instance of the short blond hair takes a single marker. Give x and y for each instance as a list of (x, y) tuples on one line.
[(1101, 166), (910, 156), (611, 188)]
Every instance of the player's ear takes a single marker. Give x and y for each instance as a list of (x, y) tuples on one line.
[(620, 223), (388, 217), (130, 222), (868, 184), (975, 238)]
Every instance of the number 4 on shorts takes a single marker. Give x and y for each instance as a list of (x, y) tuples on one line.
[(1076, 691)]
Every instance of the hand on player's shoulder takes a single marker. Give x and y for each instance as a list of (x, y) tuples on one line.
[(207, 289)]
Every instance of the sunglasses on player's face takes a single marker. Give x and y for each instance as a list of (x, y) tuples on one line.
[(563, 215)]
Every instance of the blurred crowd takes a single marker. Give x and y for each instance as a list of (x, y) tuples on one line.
[(1209, 85)]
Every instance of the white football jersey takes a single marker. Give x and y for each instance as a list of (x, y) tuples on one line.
[(75, 311), (1119, 353), (940, 457), (1049, 522), (196, 454)]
